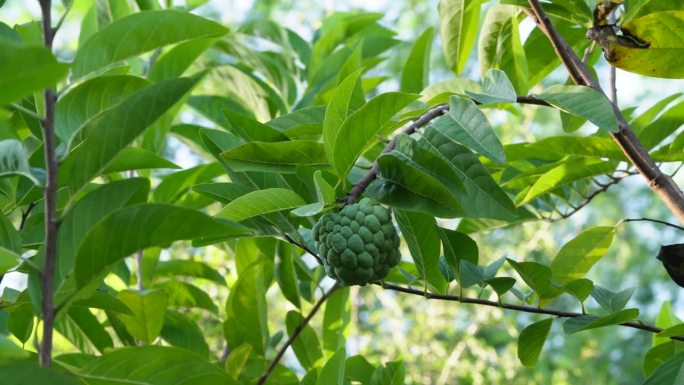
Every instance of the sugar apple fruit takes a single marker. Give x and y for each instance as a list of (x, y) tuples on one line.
[(359, 244)]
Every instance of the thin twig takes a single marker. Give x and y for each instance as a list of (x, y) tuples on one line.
[(653, 220), (612, 87), (296, 333), (521, 308), (303, 247), (62, 18), (662, 184), (51, 220), (26, 111), (25, 215)]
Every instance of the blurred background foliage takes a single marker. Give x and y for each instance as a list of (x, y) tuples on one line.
[(444, 342)]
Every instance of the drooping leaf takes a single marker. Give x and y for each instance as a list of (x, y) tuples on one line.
[(182, 331), (28, 372), (189, 268), (577, 256), (187, 295), (162, 365), (285, 273), (458, 22), (483, 197), (237, 359), (611, 301), (416, 72), (336, 317), (325, 195), (667, 320), (140, 33), (24, 70), (421, 234), (467, 125), (337, 111), (83, 329), (137, 227), (14, 161), (135, 158), (260, 202), (584, 102), (458, 246), (358, 131), (531, 341), (175, 61)]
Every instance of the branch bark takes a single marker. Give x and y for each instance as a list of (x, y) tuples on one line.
[(51, 220), (662, 184), (296, 333), (521, 308)]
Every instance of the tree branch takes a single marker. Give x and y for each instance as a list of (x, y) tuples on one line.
[(51, 220), (660, 183), (296, 333), (654, 221), (424, 119), (521, 308)]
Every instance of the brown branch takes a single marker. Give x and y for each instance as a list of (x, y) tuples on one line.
[(654, 221), (296, 333), (51, 220), (424, 119), (660, 183), (303, 247), (521, 308)]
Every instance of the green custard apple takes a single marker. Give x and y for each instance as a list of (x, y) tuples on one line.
[(359, 244)]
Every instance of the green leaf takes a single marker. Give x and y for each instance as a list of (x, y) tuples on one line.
[(187, 295), (654, 45), (458, 246), (676, 330), (421, 234), (148, 309), (501, 285), (393, 373), (469, 274), (9, 236), (538, 278), (140, 33), (28, 372), (88, 211), (306, 347), (358, 369), (584, 102), (359, 130), (135, 158), (467, 125), (531, 341), (174, 185), (667, 320), (557, 147), (496, 88), (137, 227), (499, 45), (20, 322), (162, 365), (483, 197), (586, 322), (260, 202), (415, 75), (281, 157), (658, 355), (285, 273), (189, 268), (24, 70), (577, 256), (336, 319), (246, 305), (338, 109), (237, 359), (333, 370), (14, 161), (108, 133), (458, 22), (580, 289), (84, 330), (8, 259), (325, 195), (570, 171), (611, 301), (182, 331), (90, 98), (174, 62), (252, 130)]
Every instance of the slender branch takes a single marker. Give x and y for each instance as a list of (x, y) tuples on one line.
[(654, 221), (521, 308), (296, 333), (612, 88), (62, 18), (51, 220), (662, 184), (25, 215), (303, 247)]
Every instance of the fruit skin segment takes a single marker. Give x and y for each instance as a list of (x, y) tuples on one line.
[(359, 244)]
